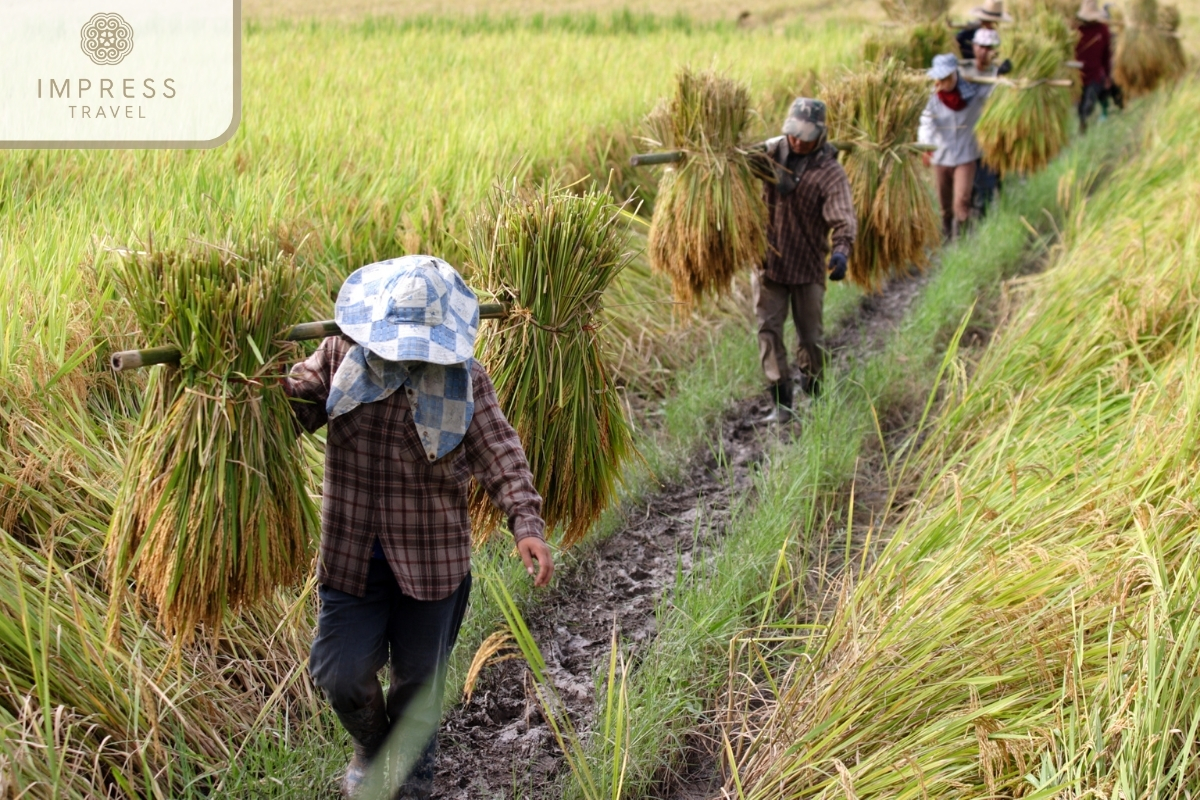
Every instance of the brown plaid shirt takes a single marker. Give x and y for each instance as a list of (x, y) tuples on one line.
[(800, 222), (379, 483)]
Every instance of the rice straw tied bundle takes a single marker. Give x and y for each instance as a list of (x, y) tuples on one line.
[(1027, 120), (918, 32), (213, 511), (709, 219), (914, 45), (877, 111), (1143, 58), (551, 254), (1168, 24)]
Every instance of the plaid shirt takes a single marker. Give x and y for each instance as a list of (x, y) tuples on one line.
[(799, 223), (379, 484)]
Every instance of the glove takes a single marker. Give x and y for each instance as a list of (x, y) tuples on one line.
[(837, 267), (1005, 67)]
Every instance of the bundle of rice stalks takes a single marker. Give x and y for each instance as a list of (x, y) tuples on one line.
[(709, 219), (213, 510), (1168, 22), (1026, 122), (551, 254), (877, 111), (913, 45), (1144, 58)]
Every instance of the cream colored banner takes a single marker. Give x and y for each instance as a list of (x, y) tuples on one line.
[(119, 73)]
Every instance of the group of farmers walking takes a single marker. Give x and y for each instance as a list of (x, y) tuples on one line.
[(412, 416), (812, 226)]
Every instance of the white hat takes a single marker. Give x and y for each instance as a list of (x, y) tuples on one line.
[(987, 37)]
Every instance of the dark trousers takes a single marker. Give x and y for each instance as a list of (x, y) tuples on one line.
[(1096, 94), (356, 636), (987, 185), (771, 304)]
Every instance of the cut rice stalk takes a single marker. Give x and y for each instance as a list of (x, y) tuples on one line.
[(213, 511), (1027, 122), (551, 254), (709, 219), (877, 111)]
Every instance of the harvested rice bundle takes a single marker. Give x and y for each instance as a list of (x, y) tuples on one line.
[(1143, 58), (709, 219), (213, 510), (1168, 22), (913, 45), (1026, 121), (551, 254), (877, 111)]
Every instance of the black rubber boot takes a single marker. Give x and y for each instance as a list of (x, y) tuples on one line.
[(368, 729), (782, 399)]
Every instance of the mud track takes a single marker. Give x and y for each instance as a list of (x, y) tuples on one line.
[(498, 746)]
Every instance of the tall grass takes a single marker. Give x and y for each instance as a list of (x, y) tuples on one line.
[(1029, 630)]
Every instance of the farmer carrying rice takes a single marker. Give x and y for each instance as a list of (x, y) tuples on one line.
[(808, 198), (411, 417), (1094, 51), (986, 17), (948, 122), (984, 65)]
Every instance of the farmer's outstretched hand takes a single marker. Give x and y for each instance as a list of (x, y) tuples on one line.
[(837, 267), (531, 550)]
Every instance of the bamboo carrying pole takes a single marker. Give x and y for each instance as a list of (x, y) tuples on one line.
[(675, 156), (169, 354)]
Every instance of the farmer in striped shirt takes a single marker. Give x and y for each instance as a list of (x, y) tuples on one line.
[(808, 199), (412, 418)]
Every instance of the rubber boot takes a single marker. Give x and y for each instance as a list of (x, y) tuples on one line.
[(811, 386), (419, 785), (781, 396), (368, 729)]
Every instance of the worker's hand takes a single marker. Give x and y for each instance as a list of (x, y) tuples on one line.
[(926, 158), (1005, 67), (837, 267), (533, 549)]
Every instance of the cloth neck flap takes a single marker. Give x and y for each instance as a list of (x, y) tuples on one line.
[(442, 400)]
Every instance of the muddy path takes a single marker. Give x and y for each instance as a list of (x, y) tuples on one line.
[(498, 746)]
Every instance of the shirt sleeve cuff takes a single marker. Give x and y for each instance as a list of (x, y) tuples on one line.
[(529, 528)]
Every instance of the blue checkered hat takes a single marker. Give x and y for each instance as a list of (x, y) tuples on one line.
[(944, 66), (415, 308)]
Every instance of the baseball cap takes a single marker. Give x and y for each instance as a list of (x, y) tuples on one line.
[(806, 119)]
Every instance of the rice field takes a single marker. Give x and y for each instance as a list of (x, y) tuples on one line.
[(368, 137)]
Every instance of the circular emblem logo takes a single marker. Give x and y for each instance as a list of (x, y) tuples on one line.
[(106, 39)]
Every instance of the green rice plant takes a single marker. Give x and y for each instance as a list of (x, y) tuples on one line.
[(1026, 124), (877, 110), (213, 512), (551, 254), (913, 45), (710, 218)]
